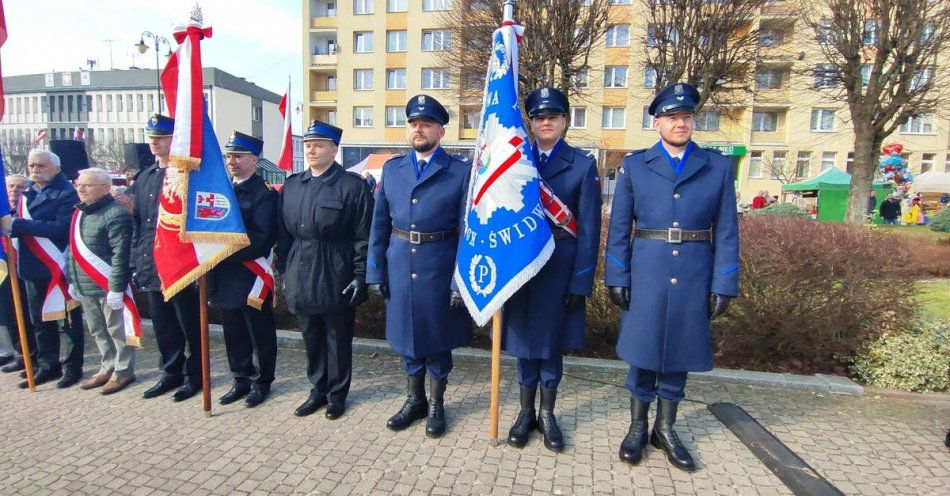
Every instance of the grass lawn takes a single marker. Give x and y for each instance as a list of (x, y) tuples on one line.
[(935, 297), (921, 232)]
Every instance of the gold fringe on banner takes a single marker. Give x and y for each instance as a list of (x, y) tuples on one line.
[(185, 163), (192, 276), (240, 239), (133, 341)]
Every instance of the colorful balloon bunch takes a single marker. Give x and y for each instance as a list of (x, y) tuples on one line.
[(893, 167)]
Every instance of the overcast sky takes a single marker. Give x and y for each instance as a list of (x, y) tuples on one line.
[(254, 39)]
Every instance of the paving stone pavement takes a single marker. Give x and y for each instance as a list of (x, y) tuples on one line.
[(69, 442)]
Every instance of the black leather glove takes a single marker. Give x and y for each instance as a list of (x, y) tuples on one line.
[(718, 304), (357, 291), (619, 296), (381, 290), (455, 300), (574, 302)]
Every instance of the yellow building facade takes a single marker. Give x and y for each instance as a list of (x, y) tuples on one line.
[(364, 58)]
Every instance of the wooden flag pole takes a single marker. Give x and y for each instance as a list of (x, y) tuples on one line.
[(495, 375), (205, 353), (18, 309)]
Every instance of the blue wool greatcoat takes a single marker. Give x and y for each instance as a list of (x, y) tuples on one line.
[(52, 212), (536, 323), (667, 327), (419, 320)]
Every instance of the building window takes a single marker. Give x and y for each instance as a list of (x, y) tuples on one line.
[(755, 165), (921, 78), (613, 118), (581, 79), (827, 76), (870, 32), (615, 2), (397, 5), (647, 121), (256, 113), (849, 163), (579, 117), (435, 40), (395, 116), (828, 160), (615, 76), (618, 35), (471, 118), (764, 122), (99, 107), (475, 82), (921, 124), (119, 103), (803, 165), (770, 36), (435, 79), (395, 41), (363, 41), (822, 119), (662, 35), (363, 6), (395, 79), (768, 79), (331, 83), (430, 5), (778, 163), (362, 116), (707, 121), (363, 79), (926, 162), (649, 77), (865, 75)]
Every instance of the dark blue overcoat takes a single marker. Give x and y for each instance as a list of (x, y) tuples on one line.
[(536, 324), (52, 211), (419, 320), (667, 327)]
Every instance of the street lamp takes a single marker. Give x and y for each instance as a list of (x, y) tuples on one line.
[(142, 48)]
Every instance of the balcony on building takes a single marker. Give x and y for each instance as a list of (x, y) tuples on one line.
[(323, 50), (323, 15)]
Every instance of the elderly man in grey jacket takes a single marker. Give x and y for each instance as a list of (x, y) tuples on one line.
[(105, 227)]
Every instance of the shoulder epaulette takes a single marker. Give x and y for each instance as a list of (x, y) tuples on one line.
[(636, 152)]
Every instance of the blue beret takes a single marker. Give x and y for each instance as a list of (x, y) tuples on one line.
[(546, 101), (242, 143), (160, 125), (679, 97), (424, 106), (320, 130)]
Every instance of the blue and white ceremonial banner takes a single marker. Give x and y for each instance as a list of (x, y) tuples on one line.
[(507, 239)]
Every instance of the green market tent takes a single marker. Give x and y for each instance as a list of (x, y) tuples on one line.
[(832, 188)]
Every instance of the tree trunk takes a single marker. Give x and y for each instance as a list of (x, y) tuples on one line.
[(866, 143)]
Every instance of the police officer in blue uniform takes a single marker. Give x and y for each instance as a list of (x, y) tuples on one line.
[(678, 273), (420, 203), (247, 328), (325, 219), (546, 316)]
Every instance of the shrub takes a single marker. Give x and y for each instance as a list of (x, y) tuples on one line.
[(781, 210), (916, 359), (811, 295), (941, 221)]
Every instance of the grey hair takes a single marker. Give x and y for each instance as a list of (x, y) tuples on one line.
[(100, 173), (46, 155), (19, 177)]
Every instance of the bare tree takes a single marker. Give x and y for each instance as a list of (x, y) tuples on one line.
[(108, 154), (16, 149), (710, 44), (880, 57), (560, 36)]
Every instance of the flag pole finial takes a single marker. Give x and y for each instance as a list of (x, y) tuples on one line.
[(509, 10), (196, 14)]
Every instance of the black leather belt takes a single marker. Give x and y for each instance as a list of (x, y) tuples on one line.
[(416, 237), (560, 233), (675, 235)]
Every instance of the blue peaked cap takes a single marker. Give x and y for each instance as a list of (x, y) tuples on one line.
[(320, 130), (679, 97), (426, 107), (547, 101), (160, 125), (242, 143)]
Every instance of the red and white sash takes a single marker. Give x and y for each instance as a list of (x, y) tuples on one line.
[(99, 271), (262, 267), (57, 301), (557, 211)]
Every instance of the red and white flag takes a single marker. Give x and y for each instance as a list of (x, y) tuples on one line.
[(182, 81), (40, 136), (286, 160)]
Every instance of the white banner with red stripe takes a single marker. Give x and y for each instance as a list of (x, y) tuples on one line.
[(57, 300), (557, 210), (100, 271), (262, 267)]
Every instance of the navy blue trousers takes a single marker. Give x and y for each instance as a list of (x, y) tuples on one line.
[(438, 365), (646, 385), (547, 371)]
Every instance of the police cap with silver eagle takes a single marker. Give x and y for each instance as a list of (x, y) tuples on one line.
[(160, 125), (679, 97), (547, 101), (426, 107)]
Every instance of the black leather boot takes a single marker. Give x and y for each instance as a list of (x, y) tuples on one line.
[(637, 438), (435, 425), (664, 437), (415, 406), (547, 424), (527, 419)]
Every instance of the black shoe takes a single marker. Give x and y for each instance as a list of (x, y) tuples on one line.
[(42, 377), (547, 423), (334, 410), (415, 406), (435, 424), (163, 386), (526, 422), (69, 379), (664, 437), (6, 360), (16, 366), (637, 438), (315, 402), (23, 373), (187, 390), (239, 390), (259, 393)]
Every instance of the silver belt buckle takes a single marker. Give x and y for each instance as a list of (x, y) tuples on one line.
[(415, 237), (674, 235)]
